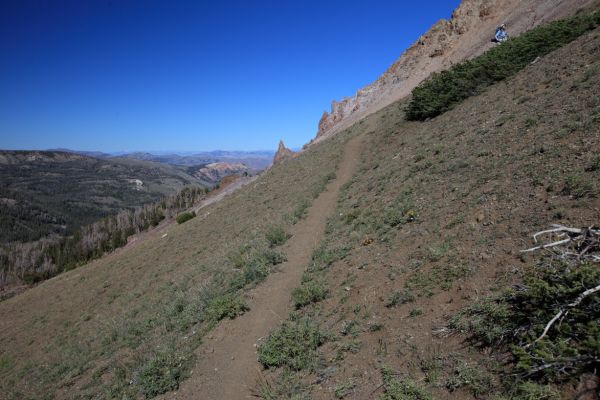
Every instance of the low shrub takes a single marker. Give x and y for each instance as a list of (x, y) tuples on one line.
[(294, 345), (276, 236), (489, 321), (344, 389), (309, 292), (472, 378), (226, 306), (516, 318), (184, 217), (161, 374), (255, 265), (396, 388)]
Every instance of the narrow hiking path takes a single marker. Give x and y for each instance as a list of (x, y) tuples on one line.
[(227, 365)]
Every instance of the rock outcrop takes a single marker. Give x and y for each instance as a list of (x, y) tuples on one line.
[(467, 34), (212, 173), (283, 153)]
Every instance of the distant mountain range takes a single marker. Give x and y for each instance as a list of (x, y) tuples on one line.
[(255, 160), (55, 192)]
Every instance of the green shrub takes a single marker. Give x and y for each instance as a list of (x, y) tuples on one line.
[(401, 389), (255, 265), (226, 306), (294, 345), (186, 216), (276, 236), (489, 321), (309, 292), (443, 90), (415, 312), (161, 374), (577, 187), (516, 318)]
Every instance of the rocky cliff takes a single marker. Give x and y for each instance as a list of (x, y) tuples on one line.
[(467, 34)]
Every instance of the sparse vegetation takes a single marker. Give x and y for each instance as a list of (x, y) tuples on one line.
[(344, 389), (399, 297), (398, 388), (472, 378), (578, 187), (443, 90), (440, 277)]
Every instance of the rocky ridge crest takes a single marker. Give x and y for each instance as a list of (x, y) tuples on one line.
[(465, 35)]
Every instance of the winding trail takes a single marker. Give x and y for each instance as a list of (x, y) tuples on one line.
[(227, 365)]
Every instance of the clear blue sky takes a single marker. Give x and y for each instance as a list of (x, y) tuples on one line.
[(190, 75)]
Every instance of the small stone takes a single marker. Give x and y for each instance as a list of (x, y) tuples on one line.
[(347, 288)]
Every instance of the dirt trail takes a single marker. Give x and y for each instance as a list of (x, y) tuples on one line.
[(227, 363)]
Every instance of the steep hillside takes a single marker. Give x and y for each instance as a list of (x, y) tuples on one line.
[(391, 296), (57, 192), (105, 330), (430, 225), (465, 35)]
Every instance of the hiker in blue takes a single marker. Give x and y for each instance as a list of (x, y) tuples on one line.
[(501, 35)]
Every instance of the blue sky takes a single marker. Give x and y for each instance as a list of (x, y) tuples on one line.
[(164, 75)]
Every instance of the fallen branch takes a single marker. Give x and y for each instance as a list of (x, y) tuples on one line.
[(577, 301), (557, 228), (546, 246), (581, 244)]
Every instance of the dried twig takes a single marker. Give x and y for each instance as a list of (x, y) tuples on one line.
[(546, 246), (559, 314)]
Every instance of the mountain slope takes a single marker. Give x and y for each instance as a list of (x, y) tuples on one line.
[(93, 331), (432, 220), (466, 35)]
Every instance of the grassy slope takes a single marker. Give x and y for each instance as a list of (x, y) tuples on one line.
[(90, 331), (480, 180)]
